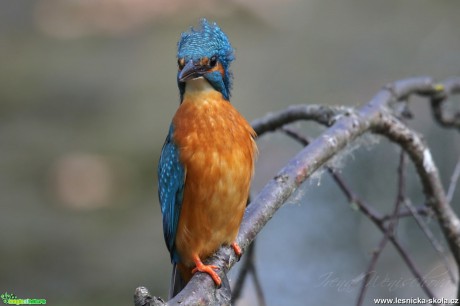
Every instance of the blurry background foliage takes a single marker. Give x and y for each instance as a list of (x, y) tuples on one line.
[(87, 91)]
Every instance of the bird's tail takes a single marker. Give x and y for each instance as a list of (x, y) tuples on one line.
[(177, 282)]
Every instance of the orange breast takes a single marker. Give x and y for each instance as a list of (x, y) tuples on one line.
[(217, 149)]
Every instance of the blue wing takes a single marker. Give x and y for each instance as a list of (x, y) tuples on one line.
[(171, 180)]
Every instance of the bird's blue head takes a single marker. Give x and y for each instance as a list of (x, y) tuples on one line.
[(205, 52)]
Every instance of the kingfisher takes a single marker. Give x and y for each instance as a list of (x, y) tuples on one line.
[(207, 160)]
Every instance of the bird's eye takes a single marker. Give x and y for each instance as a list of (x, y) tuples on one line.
[(181, 63), (213, 61)]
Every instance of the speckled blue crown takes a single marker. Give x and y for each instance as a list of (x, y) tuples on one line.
[(208, 40)]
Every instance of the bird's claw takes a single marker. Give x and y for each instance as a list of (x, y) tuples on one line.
[(209, 269), (237, 250)]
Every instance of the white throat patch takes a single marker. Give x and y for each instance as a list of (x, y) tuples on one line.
[(199, 84)]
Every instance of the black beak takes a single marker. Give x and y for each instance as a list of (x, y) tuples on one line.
[(191, 71)]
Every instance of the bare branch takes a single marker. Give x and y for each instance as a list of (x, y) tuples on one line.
[(378, 220), (429, 234), (259, 291), (321, 114), (142, 297), (373, 117), (247, 268), (427, 171), (421, 210), (444, 118), (453, 182), (389, 232), (371, 267)]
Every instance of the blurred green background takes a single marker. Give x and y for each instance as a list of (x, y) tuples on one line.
[(87, 91)]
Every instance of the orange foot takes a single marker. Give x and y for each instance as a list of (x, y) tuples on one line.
[(200, 267), (237, 250)]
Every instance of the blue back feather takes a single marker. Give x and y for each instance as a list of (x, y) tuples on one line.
[(207, 41), (171, 179)]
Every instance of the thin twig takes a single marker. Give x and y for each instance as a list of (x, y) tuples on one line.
[(390, 229), (247, 268), (373, 215), (434, 242), (380, 224), (257, 284), (401, 193), (432, 187), (447, 119), (421, 210), (243, 273), (453, 182), (371, 267), (402, 252)]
